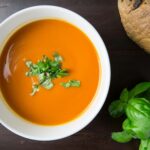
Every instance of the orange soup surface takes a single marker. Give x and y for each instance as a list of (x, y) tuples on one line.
[(57, 105)]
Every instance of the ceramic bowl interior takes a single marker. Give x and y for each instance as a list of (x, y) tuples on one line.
[(46, 133)]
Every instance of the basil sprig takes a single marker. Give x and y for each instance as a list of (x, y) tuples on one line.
[(71, 83), (135, 104), (46, 70)]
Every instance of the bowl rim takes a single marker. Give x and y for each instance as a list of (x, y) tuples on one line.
[(107, 81)]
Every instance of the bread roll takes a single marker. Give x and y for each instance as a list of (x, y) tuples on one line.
[(135, 17)]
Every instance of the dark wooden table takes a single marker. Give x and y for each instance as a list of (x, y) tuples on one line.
[(129, 64)]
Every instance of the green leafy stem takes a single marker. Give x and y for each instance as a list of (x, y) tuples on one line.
[(135, 105), (46, 70)]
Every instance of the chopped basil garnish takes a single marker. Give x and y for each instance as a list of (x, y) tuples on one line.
[(57, 57), (71, 83), (46, 70), (35, 88)]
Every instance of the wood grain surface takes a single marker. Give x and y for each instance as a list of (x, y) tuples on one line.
[(129, 65)]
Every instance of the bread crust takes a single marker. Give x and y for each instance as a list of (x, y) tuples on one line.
[(136, 21)]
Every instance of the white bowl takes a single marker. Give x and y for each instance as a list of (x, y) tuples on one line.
[(46, 133)]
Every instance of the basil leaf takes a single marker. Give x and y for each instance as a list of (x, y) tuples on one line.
[(35, 88), (138, 89), (145, 145), (71, 83), (66, 85), (127, 126), (117, 108), (47, 84), (138, 114), (46, 70), (62, 73), (42, 66), (29, 63), (42, 77), (75, 83), (121, 137), (145, 94), (54, 64), (136, 105), (124, 95), (57, 57)]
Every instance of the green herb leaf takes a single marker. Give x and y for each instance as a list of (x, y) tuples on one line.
[(42, 77), (35, 88), (47, 84), (46, 70), (145, 144), (137, 109), (62, 73), (57, 57), (145, 94), (138, 89), (42, 66), (28, 64), (117, 108), (138, 114), (71, 83), (124, 95), (121, 137)]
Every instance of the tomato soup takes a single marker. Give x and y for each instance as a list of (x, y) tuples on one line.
[(58, 105)]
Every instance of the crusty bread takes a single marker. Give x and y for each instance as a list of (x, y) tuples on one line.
[(135, 16)]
